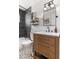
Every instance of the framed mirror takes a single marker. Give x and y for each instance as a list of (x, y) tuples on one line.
[(49, 14)]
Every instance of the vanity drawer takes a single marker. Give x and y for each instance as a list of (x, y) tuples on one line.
[(43, 49), (46, 48), (45, 39)]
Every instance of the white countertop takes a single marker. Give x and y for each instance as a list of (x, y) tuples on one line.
[(47, 33)]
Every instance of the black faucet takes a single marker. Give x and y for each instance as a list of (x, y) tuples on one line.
[(48, 29)]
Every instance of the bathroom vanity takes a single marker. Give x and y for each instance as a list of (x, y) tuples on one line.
[(46, 45)]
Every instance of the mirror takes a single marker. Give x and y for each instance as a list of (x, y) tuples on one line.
[(49, 14)]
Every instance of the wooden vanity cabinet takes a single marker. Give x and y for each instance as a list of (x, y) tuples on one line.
[(47, 46)]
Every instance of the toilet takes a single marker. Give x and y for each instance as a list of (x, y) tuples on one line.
[(25, 48)]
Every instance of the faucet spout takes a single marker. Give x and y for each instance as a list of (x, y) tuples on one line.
[(48, 29)]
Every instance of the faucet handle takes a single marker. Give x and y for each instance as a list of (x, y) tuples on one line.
[(51, 30), (46, 30)]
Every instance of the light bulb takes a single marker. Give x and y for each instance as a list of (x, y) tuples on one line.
[(45, 8), (52, 5)]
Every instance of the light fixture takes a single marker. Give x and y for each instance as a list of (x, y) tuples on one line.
[(45, 8), (51, 4), (46, 5)]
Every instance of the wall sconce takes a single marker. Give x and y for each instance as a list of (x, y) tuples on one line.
[(45, 7), (52, 4), (49, 5)]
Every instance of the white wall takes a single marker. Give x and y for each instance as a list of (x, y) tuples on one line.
[(57, 3)]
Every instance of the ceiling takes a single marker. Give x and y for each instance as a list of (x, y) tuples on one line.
[(27, 3)]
